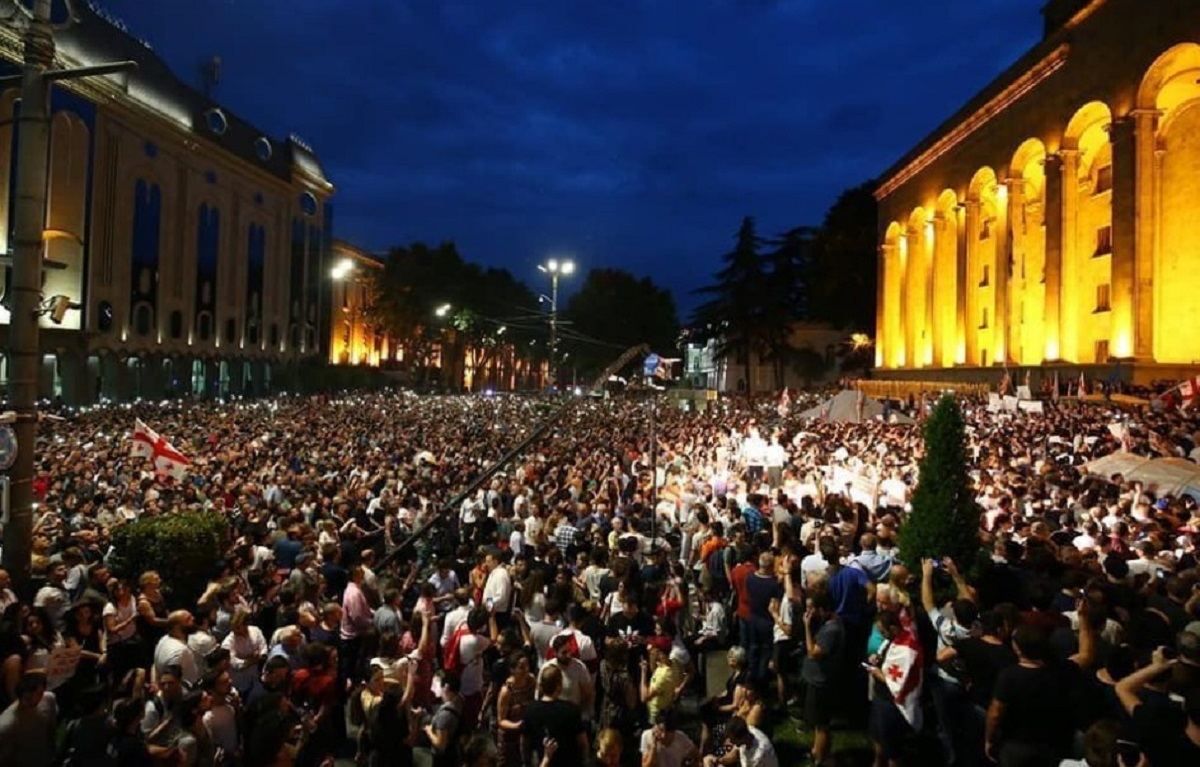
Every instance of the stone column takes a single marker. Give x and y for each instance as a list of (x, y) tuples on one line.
[(1000, 346), (1018, 279), (1054, 249), (1122, 134), (1068, 305), (907, 326), (1147, 165), (937, 290), (960, 285), (929, 271), (971, 301), (881, 308)]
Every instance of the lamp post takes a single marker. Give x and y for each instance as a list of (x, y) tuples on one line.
[(29, 223), (554, 268)]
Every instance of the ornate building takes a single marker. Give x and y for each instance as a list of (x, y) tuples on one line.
[(192, 246), (1053, 218)]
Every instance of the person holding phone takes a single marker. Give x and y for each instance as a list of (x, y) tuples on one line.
[(825, 645)]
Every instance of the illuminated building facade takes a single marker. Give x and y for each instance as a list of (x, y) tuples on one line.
[(1053, 218), (193, 248), (353, 340)]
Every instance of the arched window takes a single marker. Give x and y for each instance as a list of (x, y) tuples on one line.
[(204, 326), (143, 319), (176, 324), (230, 330), (273, 335)]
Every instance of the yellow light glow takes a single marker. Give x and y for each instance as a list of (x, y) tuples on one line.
[(1122, 346), (1052, 348)]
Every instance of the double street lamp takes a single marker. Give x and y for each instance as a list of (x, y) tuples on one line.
[(554, 268)]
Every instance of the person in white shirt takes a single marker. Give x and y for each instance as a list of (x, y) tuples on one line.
[(577, 682), (471, 647), (173, 649), (497, 591), (751, 747), (456, 616), (247, 649), (665, 746)]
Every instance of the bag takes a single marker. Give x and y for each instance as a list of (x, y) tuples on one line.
[(452, 655)]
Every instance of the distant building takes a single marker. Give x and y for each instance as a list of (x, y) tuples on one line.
[(353, 339), (195, 246), (816, 352), (1053, 218)]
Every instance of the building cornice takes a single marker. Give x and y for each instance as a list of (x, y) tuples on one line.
[(965, 126)]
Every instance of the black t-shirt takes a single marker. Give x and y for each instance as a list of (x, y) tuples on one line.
[(759, 593), (556, 719), (640, 624), (1160, 732), (1037, 705), (983, 662)]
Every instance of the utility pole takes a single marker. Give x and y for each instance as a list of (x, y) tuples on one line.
[(29, 221)]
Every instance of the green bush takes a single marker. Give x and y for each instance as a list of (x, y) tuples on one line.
[(944, 521), (184, 548)]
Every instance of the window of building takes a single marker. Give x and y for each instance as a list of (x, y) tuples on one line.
[(262, 148), (308, 204), (984, 322), (230, 330), (1104, 180), (983, 360), (1104, 242), (986, 279), (204, 326), (1102, 351), (176, 324), (273, 335), (985, 229), (216, 122), (1102, 297), (143, 319)]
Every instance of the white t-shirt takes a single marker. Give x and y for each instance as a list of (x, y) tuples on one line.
[(171, 652), (760, 753), (122, 614), (470, 653), (669, 754), (574, 676)]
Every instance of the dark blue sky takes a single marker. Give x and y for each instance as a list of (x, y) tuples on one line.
[(622, 133)]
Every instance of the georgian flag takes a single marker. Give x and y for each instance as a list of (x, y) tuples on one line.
[(168, 462), (902, 673), (1188, 391)]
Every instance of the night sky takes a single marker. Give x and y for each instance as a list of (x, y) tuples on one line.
[(621, 133)]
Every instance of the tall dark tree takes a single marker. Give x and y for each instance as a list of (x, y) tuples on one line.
[(945, 517), (734, 312), (786, 298), (612, 310), (844, 274)]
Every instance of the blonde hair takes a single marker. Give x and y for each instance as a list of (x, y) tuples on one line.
[(608, 744)]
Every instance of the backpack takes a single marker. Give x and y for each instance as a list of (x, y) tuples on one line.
[(452, 655)]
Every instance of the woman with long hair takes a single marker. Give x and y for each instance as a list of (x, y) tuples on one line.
[(516, 694)]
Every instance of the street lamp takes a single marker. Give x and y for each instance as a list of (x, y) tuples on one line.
[(442, 310), (554, 268)]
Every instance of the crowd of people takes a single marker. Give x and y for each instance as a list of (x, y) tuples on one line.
[(599, 602)]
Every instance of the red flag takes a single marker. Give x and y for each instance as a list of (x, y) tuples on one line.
[(1189, 390), (168, 462)]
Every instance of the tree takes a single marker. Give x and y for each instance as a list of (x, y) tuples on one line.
[(186, 546), (612, 311), (786, 296), (734, 313), (944, 521), (844, 272)]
